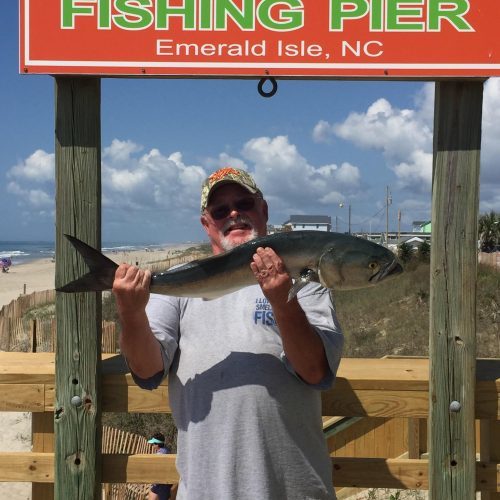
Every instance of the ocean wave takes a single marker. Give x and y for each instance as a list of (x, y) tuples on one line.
[(13, 253)]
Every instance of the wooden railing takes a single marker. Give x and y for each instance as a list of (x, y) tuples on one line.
[(365, 388)]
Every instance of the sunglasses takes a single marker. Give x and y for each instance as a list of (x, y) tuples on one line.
[(241, 205)]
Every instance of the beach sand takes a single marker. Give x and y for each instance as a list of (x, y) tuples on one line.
[(38, 276)]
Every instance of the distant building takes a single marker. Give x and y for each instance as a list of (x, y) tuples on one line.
[(421, 226), (311, 222), (277, 228), (414, 242)]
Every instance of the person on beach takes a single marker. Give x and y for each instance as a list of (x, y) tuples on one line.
[(245, 370), (159, 491)]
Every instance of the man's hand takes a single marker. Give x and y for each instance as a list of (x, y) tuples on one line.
[(131, 289), (137, 342), (302, 345), (272, 275)]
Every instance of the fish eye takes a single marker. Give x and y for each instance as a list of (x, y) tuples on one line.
[(373, 265)]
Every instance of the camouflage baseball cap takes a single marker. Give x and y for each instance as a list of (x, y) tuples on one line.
[(225, 176)]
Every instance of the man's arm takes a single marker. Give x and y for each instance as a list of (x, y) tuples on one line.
[(137, 342), (302, 345)]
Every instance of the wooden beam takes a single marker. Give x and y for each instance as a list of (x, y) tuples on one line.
[(349, 472), (22, 397), (357, 393), (78, 355), (455, 201)]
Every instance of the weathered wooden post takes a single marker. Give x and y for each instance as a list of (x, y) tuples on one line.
[(455, 195), (78, 350)]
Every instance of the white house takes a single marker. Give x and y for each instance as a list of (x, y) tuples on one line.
[(310, 222)]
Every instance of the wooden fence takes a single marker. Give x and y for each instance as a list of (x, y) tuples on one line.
[(39, 335), (490, 259), (379, 440), (116, 441)]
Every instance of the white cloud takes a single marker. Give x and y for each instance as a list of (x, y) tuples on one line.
[(38, 167), (396, 132), (149, 181), (323, 132), (490, 153), (33, 183), (287, 178), (404, 136), (416, 173), (37, 198)]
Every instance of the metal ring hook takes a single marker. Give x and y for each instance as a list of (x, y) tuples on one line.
[(273, 90)]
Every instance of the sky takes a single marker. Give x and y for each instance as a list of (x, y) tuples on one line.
[(314, 148)]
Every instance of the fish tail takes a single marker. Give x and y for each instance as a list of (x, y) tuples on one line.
[(101, 270)]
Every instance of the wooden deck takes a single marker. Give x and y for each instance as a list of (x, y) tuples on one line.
[(364, 388)]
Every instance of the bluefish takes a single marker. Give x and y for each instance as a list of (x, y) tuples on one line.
[(337, 261)]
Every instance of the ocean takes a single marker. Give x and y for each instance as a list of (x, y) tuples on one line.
[(22, 252)]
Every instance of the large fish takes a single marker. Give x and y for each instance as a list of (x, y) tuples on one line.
[(337, 261)]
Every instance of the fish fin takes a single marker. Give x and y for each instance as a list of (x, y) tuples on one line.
[(295, 288), (101, 270), (306, 276)]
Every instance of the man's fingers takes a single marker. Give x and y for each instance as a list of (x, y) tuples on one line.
[(121, 271), (146, 278)]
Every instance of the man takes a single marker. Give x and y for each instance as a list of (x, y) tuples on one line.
[(245, 370), (159, 491)]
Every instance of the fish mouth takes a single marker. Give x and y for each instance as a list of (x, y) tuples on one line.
[(391, 269)]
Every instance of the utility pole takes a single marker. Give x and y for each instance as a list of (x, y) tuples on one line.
[(341, 205), (349, 218), (399, 227), (388, 201)]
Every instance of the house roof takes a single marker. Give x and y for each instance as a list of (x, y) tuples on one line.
[(309, 219), (414, 239)]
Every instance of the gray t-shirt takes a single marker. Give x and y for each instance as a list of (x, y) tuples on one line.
[(248, 426)]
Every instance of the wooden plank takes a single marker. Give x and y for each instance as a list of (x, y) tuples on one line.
[(26, 467), (490, 450), (380, 473), (78, 346), (402, 474), (22, 397), (455, 201), (151, 468), (415, 426), (123, 398), (374, 403), (355, 394), (42, 426), (144, 468), (359, 373)]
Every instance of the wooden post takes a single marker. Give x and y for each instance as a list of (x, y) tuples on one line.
[(33, 340), (78, 356), (455, 194), (42, 429)]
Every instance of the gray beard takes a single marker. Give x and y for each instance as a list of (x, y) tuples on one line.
[(227, 244)]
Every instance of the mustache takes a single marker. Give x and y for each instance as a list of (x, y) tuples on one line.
[(241, 219)]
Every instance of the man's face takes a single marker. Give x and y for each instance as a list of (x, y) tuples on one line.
[(233, 216)]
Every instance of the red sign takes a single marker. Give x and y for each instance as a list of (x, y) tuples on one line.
[(295, 38)]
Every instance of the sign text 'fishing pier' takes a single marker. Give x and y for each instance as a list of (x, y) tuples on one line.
[(295, 38)]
